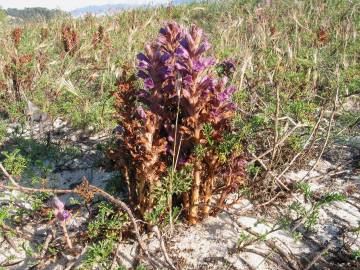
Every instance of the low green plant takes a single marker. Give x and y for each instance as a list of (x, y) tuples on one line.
[(107, 224), (99, 254), (310, 216), (356, 254), (14, 162), (181, 181)]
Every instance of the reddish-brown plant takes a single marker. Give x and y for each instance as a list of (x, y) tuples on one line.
[(16, 36), (70, 39), (20, 73), (184, 111), (98, 36)]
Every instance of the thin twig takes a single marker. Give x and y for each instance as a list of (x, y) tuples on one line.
[(330, 126), (318, 256), (163, 247), (272, 174), (114, 261), (276, 136), (281, 141), (46, 244), (305, 145), (68, 240), (95, 190)]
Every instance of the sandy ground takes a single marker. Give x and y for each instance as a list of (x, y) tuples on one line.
[(213, 243)]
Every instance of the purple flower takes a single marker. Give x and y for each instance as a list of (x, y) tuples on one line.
[(164, 57), (226, 94), (223, 96), (215, 113), (118, 130), (184, 43), (60, 212), (142, 57), (187, 80), (182, 161), (149, 83), (163, 31), (231, 106), (141, 112), (169, 87), (207, 83), (205, 46), (231, 89), (181, 52), (142, 74), (144, 65), (203, 63), (180, 66), (165, 72), (142, 94)]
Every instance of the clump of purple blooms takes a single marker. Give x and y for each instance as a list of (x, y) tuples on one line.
[(175, 67), (62, 216), (182, 94), (59, 208)]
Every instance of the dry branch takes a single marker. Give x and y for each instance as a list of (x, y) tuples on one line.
[(80, 191)]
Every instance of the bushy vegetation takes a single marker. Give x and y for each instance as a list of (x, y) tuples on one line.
[(191, 123), (30, 14)]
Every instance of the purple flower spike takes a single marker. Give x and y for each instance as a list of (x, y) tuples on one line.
[(149, 83), (143, 65), (60, 212), (226, 94), (188, 80), (164, 57), (163, 31), (205, 46), (231, 90), (203, 64), (142, 57), (181, 52), (223, 96), (142, 74)]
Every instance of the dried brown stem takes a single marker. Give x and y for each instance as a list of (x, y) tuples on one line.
[(68, 240), (317, 257), (163, 247), (280, 183), (305, 145), (276, 128), (281, 141), (329, 128), (92, 189), (193, 215)]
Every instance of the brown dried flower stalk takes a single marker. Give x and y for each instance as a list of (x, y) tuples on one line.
[(16, 36), (70, 39)]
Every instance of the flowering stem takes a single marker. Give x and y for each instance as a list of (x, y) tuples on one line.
[(208, 194), (175, 157), (193, 215), (68, 240)]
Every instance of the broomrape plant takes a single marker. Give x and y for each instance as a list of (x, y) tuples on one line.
[(181, 117)]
